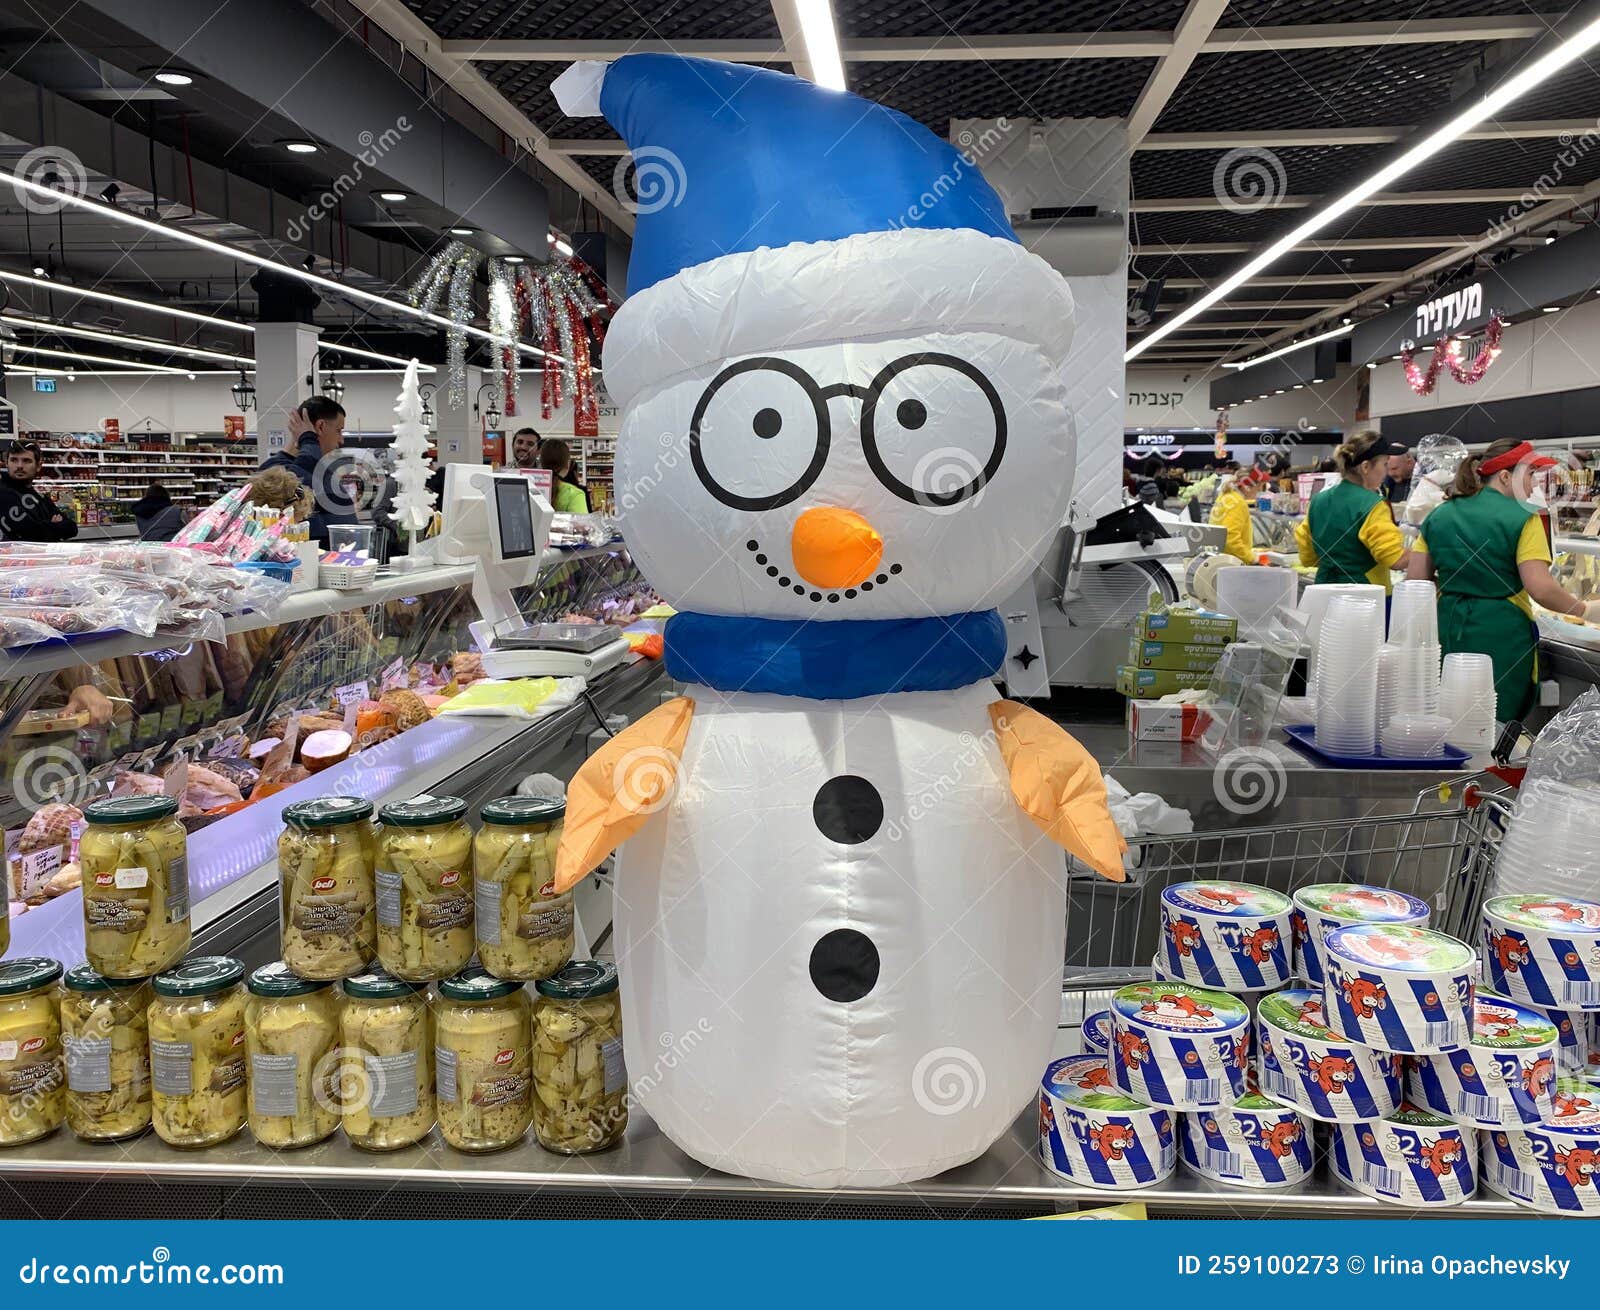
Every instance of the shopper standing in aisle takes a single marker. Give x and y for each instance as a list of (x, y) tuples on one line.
[(525, 449), (27, 514), (316, 433), (1232, 511), (155, 516), (1490, 553), (1348, 532), (567, 495)]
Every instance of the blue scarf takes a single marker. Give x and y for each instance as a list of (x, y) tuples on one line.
[(834, 660)]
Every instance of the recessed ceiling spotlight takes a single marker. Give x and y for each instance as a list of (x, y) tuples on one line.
[(462, 231), (1550, 237), (393, 197), (1552, 309), (1374, 364), (514, 259), (298, 147), (173, 77)]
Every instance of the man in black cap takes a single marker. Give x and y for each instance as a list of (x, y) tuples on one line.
[(1397, 475), (27, 514)]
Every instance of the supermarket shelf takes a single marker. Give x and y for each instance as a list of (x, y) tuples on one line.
[(1007, 1177)]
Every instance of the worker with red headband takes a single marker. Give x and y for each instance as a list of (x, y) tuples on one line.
[(1490, 552)]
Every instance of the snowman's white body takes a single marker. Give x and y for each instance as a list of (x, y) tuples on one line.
[(722, 897)]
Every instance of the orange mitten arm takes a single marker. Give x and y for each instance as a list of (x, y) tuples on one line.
[(620, 786), (1059, 786)]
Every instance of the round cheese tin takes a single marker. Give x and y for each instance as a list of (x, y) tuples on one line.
[(1544, 950), (1091, 1133), (1256, 1142), (1553, 1166), (1574, 1033), (1226, 935), (1398, 987), (1097, 1034), (1319, 909), (1180, 1046), (1410, 1157), (1502, 1079), (1304, 1063)]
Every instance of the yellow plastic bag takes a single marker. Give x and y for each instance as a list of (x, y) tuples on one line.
[(516, 698)]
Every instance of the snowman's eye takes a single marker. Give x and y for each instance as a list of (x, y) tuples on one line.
[(933, 429), (759, 436)]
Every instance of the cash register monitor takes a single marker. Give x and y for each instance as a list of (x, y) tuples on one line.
[(513, 519)]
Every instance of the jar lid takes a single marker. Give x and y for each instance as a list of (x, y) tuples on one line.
[(327, 812), (278, 979), (130, 809), (83, 978), (27, 973), (378, 984), (475, 983), (580, 979), (200, 976), (423, 812), (517, 810)]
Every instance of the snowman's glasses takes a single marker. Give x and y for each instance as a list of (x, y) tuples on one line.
[(786, 409)]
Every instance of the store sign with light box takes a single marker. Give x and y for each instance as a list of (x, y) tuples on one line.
[(45, 386)]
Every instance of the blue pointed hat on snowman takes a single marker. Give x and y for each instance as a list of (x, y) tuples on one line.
[(741, 172)]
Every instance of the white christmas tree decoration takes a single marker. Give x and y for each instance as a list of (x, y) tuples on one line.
[(413, 502)]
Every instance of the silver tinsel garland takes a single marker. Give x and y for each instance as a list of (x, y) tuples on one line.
[(503, 323), (452, 273)]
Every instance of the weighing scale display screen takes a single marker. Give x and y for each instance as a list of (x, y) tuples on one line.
[(514, 509)]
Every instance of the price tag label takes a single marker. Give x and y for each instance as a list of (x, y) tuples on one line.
[(36, 868), (352, 693)]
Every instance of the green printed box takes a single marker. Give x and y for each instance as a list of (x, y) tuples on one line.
[(1173, 655), (1193, 627), (1149, 683)]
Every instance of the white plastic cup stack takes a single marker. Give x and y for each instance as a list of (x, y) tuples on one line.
[(1414, 627), (1466, 698), (1414, 736), (1347, 701), (1314, 603)]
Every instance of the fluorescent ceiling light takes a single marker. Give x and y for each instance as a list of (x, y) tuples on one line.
[(360, 352), (110, 298), (821, 41), (513, 259), (94, 359), (120, 339), (393, 197), (562, 248), (174, 77), (299, 147), (171, 233), (1552, 309), (1569, 51), (462, 231), (1293, 346)]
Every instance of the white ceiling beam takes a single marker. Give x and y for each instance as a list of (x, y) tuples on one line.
[(1187, 38), (1381, 200), (1060, 45), (1347, 243), (1285, 138), (1237, 306), (605, 145), (423, 42), (787, 14), (1449, 258)]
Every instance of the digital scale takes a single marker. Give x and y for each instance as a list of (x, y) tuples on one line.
[(501, 521)]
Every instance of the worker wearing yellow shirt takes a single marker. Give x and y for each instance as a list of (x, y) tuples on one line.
[(1348, 534), (1231, 510), (1490, 553)]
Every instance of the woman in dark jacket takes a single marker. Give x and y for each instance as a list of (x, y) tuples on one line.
[(156, 517)]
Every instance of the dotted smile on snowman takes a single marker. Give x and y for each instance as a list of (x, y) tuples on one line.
[(787, 583)]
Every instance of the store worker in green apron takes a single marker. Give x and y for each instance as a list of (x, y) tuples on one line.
[(1490, 553), (1348, 533)]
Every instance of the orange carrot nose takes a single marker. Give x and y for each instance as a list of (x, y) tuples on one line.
[(834, 547)]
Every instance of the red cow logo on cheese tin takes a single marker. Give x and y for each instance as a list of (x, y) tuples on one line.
[(1280, 1139), (1185, 936), (1365, 997), (1111, 1140), (1578, 1166), (1441, 1156), (1133, 1048), (1512, 952), (1260, 944)]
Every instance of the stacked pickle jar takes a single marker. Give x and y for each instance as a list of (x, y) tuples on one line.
[(326, 855), (424, 888), (134, 857), (386, 1084), (197, 1052), (524, 929), (292, 1034), (32, 1080), (482, 1061), (579, 1078), (105, 1029)]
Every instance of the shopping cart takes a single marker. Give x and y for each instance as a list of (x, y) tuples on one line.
[(1442, 852)]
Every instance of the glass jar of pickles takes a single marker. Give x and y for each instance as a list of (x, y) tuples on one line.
[(32, 1080), (325, 864), (106, 1035), (386, 1083), (135, 864), (292, 1036), (580, 1082), (524, 928), (482, 1061), (424, 887), (197, 1052)]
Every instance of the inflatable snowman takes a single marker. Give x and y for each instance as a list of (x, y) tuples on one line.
[(840, 906)]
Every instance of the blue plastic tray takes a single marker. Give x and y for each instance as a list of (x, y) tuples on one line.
[(1304, 735)]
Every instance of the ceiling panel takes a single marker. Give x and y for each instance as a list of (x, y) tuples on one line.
[(596, 20), (870, 18), (934, 92)]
